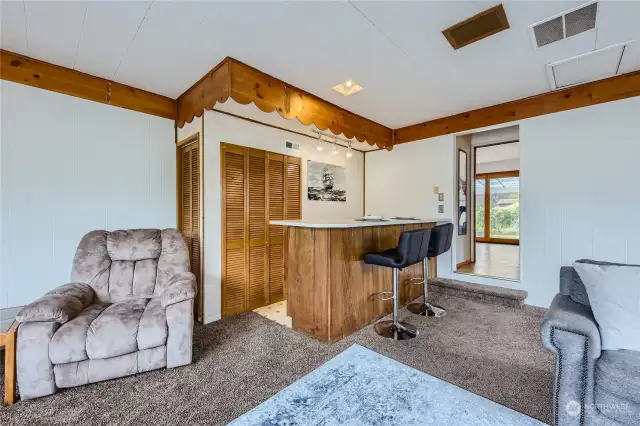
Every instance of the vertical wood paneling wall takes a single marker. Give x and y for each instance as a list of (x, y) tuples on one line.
[(257, 186), (70, 166)]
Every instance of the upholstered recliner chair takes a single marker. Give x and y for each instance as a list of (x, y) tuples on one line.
[(128, 309)]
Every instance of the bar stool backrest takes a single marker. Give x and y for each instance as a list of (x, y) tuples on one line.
[(413, 246), (441, 237)]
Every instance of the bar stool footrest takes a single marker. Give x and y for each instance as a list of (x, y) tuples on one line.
[(380, 295)]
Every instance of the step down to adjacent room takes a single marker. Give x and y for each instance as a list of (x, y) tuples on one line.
[(480, 292)]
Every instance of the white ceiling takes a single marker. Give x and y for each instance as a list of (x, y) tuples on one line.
[(490, 154), (394, 49)]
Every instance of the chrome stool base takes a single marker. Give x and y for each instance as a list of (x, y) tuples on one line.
[(426, 310), (402, 331)]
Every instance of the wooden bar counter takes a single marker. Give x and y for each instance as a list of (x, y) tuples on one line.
[(330, 291)]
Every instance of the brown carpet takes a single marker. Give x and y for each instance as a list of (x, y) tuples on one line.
[(493, 351)]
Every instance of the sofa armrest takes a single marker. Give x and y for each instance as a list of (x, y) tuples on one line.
[(566, 315), (570, 331), (59, 305), (181, 287)]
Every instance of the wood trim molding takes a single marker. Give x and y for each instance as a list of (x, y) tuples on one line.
[(245, 84), (43, 75), (597, 92)]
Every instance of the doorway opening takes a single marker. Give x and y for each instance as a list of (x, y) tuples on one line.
[(494, 198)]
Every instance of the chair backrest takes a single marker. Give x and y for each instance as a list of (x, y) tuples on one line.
[(413, 246), (128, 264), (441, 237)]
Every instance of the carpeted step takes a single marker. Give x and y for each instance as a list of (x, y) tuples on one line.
[(480, 292)]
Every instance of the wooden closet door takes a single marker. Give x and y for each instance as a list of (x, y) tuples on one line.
[(257, 269), (189, 209), (293, 196), (276, 206), (234, 224)]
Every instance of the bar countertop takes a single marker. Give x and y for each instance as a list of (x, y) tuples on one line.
[(352, 223)]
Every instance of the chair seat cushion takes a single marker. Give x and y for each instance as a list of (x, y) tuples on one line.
[(618, 373), (115, 331), (389, 258), (69, 342)]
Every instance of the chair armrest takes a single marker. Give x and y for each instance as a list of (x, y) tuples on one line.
[(181, 287), (566, 315), (59, 305)]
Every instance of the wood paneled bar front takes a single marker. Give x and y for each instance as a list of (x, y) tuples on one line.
[(331, 291)]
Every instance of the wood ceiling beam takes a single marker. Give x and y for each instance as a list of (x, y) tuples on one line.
[(597, 92), (43, 75), (245, 84)]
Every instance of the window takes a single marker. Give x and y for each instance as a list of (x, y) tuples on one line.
[(498, 207)]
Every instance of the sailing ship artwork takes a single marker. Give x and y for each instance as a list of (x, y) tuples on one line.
[(326, 182)]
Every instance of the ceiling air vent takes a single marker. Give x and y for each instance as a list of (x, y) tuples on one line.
[(479, 26), (592, 66), (567, 24)]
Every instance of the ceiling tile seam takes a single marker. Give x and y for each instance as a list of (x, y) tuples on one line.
[(382, 32), (75, 59), (26, 32), (134, 37)]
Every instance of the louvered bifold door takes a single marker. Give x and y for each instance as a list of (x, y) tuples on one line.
[(276, 206), (234, 222), (257, 273), (194, 243), (293, 199)]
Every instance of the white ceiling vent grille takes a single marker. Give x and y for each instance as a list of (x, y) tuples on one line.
[(567, 24), (294, 146), (592, 66)]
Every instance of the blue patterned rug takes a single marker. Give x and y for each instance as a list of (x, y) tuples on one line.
[(361, 387)]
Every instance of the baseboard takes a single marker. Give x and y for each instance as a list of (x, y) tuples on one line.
[(463, 263)]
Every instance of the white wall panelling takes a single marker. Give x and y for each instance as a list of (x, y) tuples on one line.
[(578, 191), (224, 128), (70, 166)]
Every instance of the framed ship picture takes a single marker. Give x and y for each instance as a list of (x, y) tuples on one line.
[(326, 182)]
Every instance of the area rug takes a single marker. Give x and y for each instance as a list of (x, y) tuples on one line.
[(362, 387)]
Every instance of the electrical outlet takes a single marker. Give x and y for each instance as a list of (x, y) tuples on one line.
[(441, 196), (440, 208), (436, 190)]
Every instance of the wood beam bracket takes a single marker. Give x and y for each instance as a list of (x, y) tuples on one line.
[(245, 84)]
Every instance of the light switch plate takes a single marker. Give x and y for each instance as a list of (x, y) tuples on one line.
[(441, 196), (440, 208), (436, 190)]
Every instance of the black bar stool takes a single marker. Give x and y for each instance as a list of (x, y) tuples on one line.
[(412, 248), (439, 243)]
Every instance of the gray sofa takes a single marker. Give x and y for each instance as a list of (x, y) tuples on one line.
[(592, 386), (128, 309)]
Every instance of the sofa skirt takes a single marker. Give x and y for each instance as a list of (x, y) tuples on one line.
[(96, 370)]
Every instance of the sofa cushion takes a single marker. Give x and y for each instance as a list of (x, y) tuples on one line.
[(618, 372), (115, 331), (615, 407), (68, 344), (134, 244), (153, 330), (614, 294)]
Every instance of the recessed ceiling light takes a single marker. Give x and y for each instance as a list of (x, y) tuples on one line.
[(348, 87)]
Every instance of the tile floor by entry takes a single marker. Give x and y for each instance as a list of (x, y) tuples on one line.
[(276, 312)]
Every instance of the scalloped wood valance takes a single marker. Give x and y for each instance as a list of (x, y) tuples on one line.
[(245, 84)]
